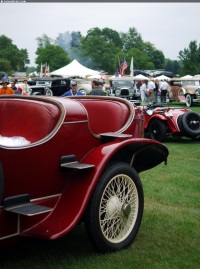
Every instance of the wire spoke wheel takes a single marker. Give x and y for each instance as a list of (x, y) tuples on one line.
[(118, 208), (114, 214)]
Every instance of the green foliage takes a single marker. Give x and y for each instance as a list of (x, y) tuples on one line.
[(44, 40), (190, 58), (11, 57), (100, 49), (53, 55), (132, 39)]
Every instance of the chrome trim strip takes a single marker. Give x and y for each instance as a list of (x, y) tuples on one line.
[(46, 197), (73, 122), (42, 198)]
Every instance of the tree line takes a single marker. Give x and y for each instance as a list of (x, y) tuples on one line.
[(100, 49)]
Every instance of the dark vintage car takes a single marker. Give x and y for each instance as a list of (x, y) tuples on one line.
[(67, 160), (124, 87), (49, 86), (162, 121)]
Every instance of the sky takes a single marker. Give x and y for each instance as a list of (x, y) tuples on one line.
[(169, 26)]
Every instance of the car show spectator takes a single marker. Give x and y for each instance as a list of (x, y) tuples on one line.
[(5, 89), (96, 88), (151, 87), (163, 89), (73, 91), (5, 78), (155, 99), (144, 93), (15, 89), (24, 87)]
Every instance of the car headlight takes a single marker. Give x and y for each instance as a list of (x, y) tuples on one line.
[(168, 113), (29, 91), (182, 92), (117, 92), (131, 92), (197, 92)]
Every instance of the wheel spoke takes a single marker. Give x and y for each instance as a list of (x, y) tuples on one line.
[(119, 194)]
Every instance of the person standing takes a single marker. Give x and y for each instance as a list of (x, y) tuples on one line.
[(96, 90), (5, 89), (164, 89), (73, 91), (24, 87), (144, 92), (15, 89), (151, 88), (155, 100)]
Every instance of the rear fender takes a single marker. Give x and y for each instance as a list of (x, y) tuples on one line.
[(75, 197)]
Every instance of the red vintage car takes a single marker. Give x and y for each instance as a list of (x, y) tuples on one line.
[(162, 121), (73, 159)]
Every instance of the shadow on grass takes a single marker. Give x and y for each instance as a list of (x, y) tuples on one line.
[(38, 253)]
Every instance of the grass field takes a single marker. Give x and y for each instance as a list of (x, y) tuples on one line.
[(169, 237)]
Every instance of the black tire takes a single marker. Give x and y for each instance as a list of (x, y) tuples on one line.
[(36, 93), (114, 213), (158, 130), (189, 100), (48, 92), (189, 124)]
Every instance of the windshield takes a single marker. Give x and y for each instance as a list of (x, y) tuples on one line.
[(122, 83), (46, 83)]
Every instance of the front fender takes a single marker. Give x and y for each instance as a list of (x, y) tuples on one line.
[(155, 116), (142, 154)]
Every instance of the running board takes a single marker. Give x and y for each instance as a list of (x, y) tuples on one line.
[(69, 161), (77, 165), (21, 204)]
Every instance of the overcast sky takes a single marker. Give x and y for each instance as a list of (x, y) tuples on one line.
[(169, 26)]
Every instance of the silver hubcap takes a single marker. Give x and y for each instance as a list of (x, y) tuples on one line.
[(119, 208)]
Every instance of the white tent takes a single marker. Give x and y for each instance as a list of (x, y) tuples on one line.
[(187, 77), (74, 69), (162, 77), (140, 77), (97, 76)]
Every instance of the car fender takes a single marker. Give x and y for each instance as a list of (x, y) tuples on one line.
[(155, 116), (72, 203)]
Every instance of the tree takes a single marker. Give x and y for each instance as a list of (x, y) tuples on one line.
[(155, 56), (53, 55), (12, 57), (141, 59), (131, 39), (44, 41), (190, 58), (99, 49)]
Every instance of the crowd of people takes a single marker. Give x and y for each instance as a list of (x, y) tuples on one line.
[(150, 91), (11, 86)]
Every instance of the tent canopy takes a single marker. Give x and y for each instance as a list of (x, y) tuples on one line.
[(187, 77), (74, 69), (162, 77), (140, 77), (97, 76)]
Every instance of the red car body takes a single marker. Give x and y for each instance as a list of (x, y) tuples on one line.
[(47, 186), (162, 121)]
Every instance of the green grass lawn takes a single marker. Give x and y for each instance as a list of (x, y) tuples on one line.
[(169, 237)]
